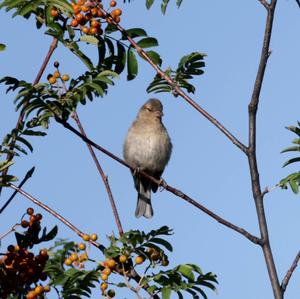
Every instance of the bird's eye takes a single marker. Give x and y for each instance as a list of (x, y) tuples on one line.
[(148, 109)]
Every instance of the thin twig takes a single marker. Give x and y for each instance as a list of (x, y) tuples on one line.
[(251, 153), (27, 176), (55, 214), (266, 4), (176, 88), (171, 189), (9, 231), (102, 174), (129, 286), (36, 80), (289, 273)]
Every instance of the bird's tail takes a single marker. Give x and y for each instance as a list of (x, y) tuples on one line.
[(143, 206)]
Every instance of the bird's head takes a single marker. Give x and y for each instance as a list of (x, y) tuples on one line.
[(152, 110)]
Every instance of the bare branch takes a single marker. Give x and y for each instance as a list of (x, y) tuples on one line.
[(265, 4), (171, 189), (290, 272), (102, 174), (55, 214), (256, 188), (9, 231), (36, 80)]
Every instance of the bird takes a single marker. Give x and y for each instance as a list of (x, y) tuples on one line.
[(147, 147)]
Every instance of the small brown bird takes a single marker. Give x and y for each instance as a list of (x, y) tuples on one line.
[(148, 148)]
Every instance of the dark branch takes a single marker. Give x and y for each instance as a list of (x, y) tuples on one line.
[(289, 273), (102, 174), (171, 189), (55, 214), (251, 153)]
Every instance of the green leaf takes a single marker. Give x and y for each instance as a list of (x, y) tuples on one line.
[(155, 57), (164, 6), (187, 271), (291, 149), (166, 293), (89, 39), (149, 3), (5, 164), (2, 47), (147, 42), (132, 65), (294, 186), (135, 32), (162, 242), (291, 161)]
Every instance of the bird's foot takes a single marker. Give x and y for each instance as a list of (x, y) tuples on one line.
[(162, 185), (136, 171)]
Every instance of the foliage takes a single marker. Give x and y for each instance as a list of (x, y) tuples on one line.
[(293, 180), (188, 67)]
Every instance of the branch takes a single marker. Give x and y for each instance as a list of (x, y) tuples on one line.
[(36, 80), (55, 214), (298, 3), (102, 174), (171, 189), (266, 4), (27, 176), (289, 273), (251, 153), (178, 90), (9, 231)]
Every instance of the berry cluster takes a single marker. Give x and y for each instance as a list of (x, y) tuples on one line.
[(52, 78), (89, 16), (76, 258), (157, 257), (19, 267)]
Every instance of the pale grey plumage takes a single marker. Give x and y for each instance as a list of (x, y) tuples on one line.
[(147, 147)]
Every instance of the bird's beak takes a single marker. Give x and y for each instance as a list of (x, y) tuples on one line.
[(159, 114)]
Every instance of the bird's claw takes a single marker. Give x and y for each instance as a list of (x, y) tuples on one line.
[(162, 185), (136, 171)]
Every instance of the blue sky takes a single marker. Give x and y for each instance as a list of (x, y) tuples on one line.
[(204, 164)]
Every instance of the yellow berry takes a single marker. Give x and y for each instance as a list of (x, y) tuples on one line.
[(111, 263), (81, 246), (65, 77), (86, 237), (68, 262), (107, 271), (47, 288), (104, 277), (103, 286), (83, 257), (56, 74), (73, 257), (123, 259), (38, 290), (139, 260), (52, 80), (94, 237)]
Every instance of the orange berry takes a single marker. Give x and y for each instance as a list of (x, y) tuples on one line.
[(47, 288), (94, 237), (52, 80), (76, 9), (81, 246), (94, 11), (113, 3), (107, 271), (111, 263), (85, 8), (56, 74), (123, 259), (86, 237), (103, 286), (65, 77), (80, 2), (100, 14), (93, 31), (117, 12), (139, 260), (79, 17), (104, 277), (73, 257), (31, 295), (85, 30), (117, 19), (74, 23), (68, 262), (95, 24), (39, 290), (54, 12)]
